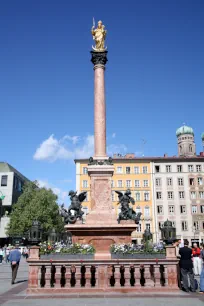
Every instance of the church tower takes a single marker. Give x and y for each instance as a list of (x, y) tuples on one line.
[(186, 144)]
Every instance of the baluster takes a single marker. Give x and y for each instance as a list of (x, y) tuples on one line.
[(78, 277), (102, 277), (88, 277), (165, 275), (58, 277), (157, 276), (48, 276), (127, 276), (117, 276), (147, 275), (137, 277)]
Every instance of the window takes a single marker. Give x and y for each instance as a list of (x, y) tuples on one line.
[(158, 182), (196, 225), (146, 196), (19, 186), (85, 170), (160, 210), (145, 183), (181, 194), (201, 194), (179, 168), (202, 209), (198, 168), (137, 196), (200, 181), (193, 195), (190, 168), (137, 183), (190, 148), (138, 209), (146, 211), (15, 182), (194, 209), (168, 168), (161, 224), (113, 195), (183, 209), (157, 169), (170, 195), (171, 210), (191, 181), (136, 170), (120, 183), (174, 224), (127, 169), (148, 226), (169, 181), (119, 170), (4, 179), (158, 195), (180, 181), (144, 169), (184, 226), (138, 228), (85, 184), (128, 183)]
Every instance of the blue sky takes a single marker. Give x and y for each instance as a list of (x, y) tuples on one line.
[(154, 81)]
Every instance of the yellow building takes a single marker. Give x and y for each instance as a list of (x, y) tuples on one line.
[(129, 173)]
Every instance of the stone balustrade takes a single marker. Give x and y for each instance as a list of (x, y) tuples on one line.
[(101, 275)]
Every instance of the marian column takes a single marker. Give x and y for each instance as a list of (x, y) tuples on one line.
[(100, 167)]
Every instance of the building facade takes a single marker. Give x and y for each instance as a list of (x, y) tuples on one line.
[(11, 183), (163, 188)]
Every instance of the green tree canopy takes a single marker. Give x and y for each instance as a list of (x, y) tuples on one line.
[(35, 204)]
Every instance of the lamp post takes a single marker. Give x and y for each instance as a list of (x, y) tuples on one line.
[(168, 232), (35, 233)]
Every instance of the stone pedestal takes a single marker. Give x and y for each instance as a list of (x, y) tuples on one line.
[(101, 236)]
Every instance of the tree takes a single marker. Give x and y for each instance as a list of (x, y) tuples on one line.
[(35, 204)]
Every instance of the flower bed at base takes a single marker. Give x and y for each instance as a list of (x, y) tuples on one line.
[(132, 251), (59, 251)]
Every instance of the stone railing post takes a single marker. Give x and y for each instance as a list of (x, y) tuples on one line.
[(34, 252), (170, 252)]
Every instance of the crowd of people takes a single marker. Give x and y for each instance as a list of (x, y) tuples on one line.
[(191, 266)]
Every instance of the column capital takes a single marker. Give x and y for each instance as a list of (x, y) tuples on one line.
[(99, 59)]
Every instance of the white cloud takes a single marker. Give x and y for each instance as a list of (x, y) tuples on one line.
[(113, 135), (59, 192), (73, 139), (53, 149)]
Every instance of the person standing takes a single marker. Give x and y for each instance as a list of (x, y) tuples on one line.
[(14, 258), (196, 259), (186, 266), (1, 255), (202, 272), (7, 254)]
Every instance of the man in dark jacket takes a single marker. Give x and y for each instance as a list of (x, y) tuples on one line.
[(186, 266), (14, 258)]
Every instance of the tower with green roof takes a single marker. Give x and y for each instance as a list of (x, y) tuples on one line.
[(186, 144)]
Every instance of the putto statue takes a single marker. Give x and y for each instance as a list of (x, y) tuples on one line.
[(99, 35), (74, 211), (127, 213)]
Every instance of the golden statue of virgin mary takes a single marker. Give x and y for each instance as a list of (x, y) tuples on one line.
[(99, 35)]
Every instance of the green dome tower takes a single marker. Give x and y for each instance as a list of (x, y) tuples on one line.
[(186, 144)]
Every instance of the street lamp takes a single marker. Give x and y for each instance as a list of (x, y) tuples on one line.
[(168, 232), (1, 198), (35, 233)]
